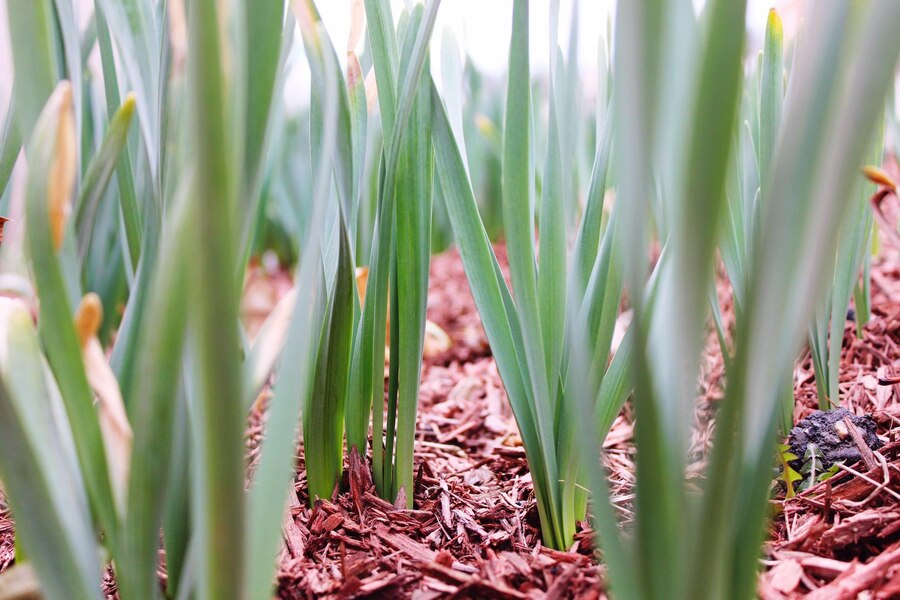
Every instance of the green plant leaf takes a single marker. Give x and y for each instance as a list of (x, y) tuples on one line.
[(219, 504), (155, 408), (42, 479), (323, 419), (10, 145), (296, 372), (131, 217), (137, 34), (31, 30), (52, 146), (100, 171)]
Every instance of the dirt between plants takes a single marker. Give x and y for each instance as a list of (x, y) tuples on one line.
[(474, 530)]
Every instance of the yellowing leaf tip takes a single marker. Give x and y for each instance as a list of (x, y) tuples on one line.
[(63, 166), (130, 102), (774, 23), (88, 317), (362, 280), (879, 177)]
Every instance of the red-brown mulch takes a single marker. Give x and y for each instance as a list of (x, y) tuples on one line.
[(841, 538), (474, 530), (7, 546)]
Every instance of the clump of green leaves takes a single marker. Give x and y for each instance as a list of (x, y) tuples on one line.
[(529, 325), (813, 470), (684, 545), (165, 163), (753, 153)]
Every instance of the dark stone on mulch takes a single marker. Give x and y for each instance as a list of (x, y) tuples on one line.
[(828, 430)]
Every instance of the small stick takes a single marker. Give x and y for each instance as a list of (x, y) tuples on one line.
[(867, 455), (291, 534)]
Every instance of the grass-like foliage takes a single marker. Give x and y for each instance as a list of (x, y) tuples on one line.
[(146, 190), (686, 545), (527, 326), (126, 376)]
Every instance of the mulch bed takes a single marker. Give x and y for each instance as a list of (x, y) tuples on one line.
[(474, 530), (841, 538)]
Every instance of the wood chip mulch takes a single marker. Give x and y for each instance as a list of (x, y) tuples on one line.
[(841, 538), (473, 532), (7, 545)]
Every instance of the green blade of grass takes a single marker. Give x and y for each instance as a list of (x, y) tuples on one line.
[(617, 383), (88, 39), (369, 355), (735, 242), (684, 286), (551, 277), (637, 60), (771, 94), (69, 42), (806, 231), (492, 297), (126, 349), (386, 61), (851, 253), (862, 292), (263, 22), (663, 414), (597, 316), (177, 516), (453, 77), (359, 114), (771, 99), (666, 427), (320, 50), (587, 241)]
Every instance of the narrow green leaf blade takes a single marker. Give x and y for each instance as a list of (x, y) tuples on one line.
[(219, 507), (100, 172)]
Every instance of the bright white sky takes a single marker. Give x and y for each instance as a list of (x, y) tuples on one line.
[(482, 28)]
